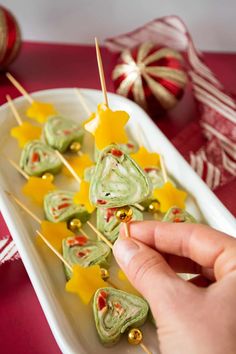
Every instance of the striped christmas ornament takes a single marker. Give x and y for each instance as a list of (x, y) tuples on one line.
[(152, 76), (10, 38)]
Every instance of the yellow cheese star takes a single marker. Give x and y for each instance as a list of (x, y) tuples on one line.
[(146, 159), (110, 128), (41, 111), (82, 197), (169, 196), (25, 132), (36, 188), (91, 123), (85, 281), (54, 233), (79, 164)]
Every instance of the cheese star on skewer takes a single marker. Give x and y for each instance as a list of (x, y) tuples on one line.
[(40, 111), (82, 197), (79, 164), (36, 188), (145, 159), (169, 196)]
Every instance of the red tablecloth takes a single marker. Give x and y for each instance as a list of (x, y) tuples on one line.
[(23, 327)]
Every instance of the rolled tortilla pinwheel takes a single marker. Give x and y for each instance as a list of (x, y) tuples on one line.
[(59, 206), (85, 252), (176, 214), (117, 180), (88, 173), (60, 132), (130, 148), (38, 158), (108, 224), (115, 311)]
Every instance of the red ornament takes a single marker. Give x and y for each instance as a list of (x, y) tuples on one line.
[(152, 76), (10, 42)]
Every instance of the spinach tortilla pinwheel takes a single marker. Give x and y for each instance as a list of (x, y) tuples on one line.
[(60, 132), (117, 180), (115, 311), (38, 158), (130, 148), (85, 252), (108, 224), (176, 214), (59, 206)]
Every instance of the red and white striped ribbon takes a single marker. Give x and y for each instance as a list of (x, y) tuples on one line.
[(217, 108), (8, 250)]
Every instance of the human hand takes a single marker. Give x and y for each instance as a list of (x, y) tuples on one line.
[(190, 318)]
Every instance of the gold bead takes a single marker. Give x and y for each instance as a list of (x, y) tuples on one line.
[(75, 146), (104, 274), (48, 176), (135, 336), (124, 214), (154, 206), (75, 225)]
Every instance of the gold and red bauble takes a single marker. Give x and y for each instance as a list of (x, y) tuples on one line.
[(152, 76)]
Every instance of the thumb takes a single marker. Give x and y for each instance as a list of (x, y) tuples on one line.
[(149, 273)]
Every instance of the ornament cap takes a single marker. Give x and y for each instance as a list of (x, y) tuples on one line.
[(75, 225), (48, 176), (135, 336), (124, 214)]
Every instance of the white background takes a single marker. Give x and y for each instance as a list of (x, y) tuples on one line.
[(212, 23)]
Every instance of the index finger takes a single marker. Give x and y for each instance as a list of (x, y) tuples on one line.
[(206, 246)]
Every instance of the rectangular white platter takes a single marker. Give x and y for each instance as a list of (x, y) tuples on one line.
[(71, 322)]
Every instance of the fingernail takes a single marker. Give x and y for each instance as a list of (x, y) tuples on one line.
[(124, 250)]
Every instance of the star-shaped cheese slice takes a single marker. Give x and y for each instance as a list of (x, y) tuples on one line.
[(85, 282), (41, 111), (79, 164), (146, 159), (25, 133), (36, 188), (82, 197), (110, 128), (54, 233), (169, 196)]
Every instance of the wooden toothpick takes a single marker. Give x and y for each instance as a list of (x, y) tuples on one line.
[(68, 166), (14, 110), (163, 169), (101, 72), (83, 102), (17, 167), (100, 234), (19, 87)]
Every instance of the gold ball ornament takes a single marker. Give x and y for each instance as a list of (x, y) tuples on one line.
[(75, 146), (10, 41), (124, 214), (48, 176), (105, 275), (135, 336), (75, 225), (154, 207)]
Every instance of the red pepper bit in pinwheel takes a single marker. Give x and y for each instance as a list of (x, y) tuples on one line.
[(79, 164), (146, 159), (54, 233), (82, 197), (40, 111), (25, 133), (36, 188), (108, 127), (169, 196), (85, 282)]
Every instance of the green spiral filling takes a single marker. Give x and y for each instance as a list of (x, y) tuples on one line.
[(85, 252), (88, 173), (38, 158), (117, 180), (175, 214), (59, 206), (108, 224), (60, 132), (115, 311)]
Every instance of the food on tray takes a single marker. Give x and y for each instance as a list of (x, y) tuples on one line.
[(37, 188), (60, 132), (79, 164), (146, 159), (88, 173), (108, 224), (117, 180), (25, 132), (115, 311), (168, 195), (82, 197), (54, 233), (176, 214), (80, 250), (38, 158), (129, 148), (40, 111)]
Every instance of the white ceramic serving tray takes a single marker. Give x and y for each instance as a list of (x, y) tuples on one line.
[(71, 322)]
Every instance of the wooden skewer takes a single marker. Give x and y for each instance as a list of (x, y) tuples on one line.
[(68, 166), (126, 226), (163, 169), (13, 109), (14, 164), (101, 72), (83, 102), (100, 234), (145, 349), (19, 87)]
